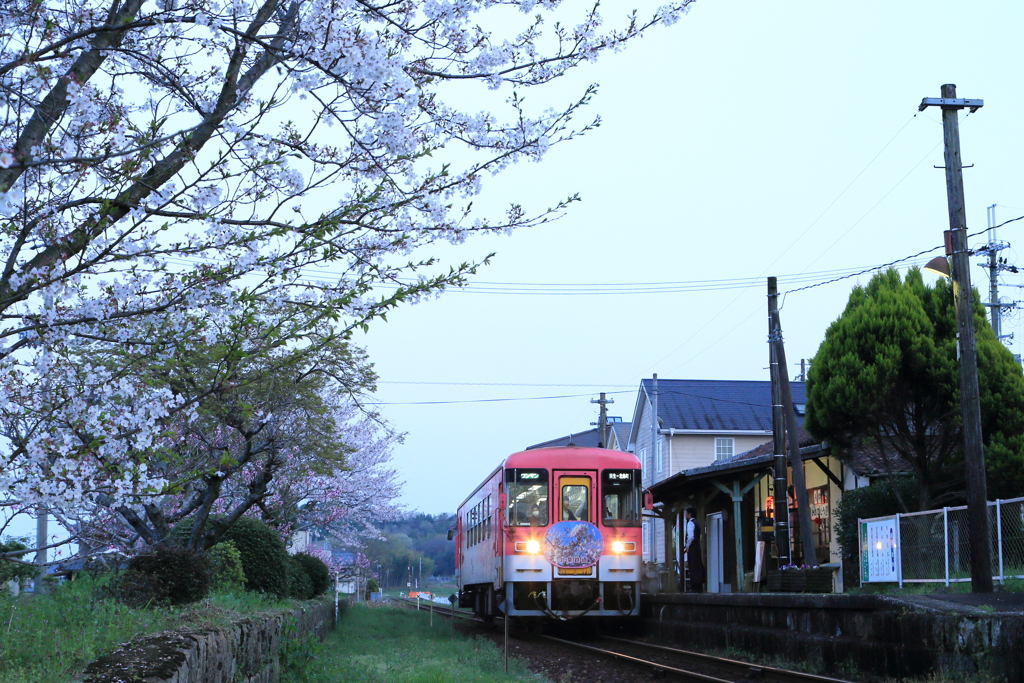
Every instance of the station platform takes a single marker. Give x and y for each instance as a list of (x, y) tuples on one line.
[(879, 635)]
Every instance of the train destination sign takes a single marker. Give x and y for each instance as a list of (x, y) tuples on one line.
[(575, 571)]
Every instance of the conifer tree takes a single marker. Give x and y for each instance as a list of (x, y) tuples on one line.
[(886, 375)]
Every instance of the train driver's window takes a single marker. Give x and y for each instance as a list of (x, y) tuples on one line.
[(574, 503), (620, 497), (527, 497)]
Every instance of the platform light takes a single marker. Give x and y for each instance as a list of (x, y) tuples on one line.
[(938, 265)]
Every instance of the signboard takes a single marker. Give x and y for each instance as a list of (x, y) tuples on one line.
[(573, 544), (879, 551)]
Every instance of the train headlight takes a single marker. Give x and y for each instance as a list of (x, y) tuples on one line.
[(618, 547), (533, 547)]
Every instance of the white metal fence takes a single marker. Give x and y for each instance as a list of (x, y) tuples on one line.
[(933, 546)]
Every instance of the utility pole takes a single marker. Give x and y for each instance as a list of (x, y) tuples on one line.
[(602, 420), (792, 440), (654, 424), (993, 272), (778, 438), (970, 403), (42, 518), (995, 266)]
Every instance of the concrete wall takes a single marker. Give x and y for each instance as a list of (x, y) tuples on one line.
[(248, 652), (838, 634)]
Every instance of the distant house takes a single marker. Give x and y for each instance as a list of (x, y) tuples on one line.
[(617, 434), (699, 422)]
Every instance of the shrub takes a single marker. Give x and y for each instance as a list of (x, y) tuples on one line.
[(371, 587), (877, 500), (264, 558), (300, 585), (228, 573), (166, 575), (319, 573)]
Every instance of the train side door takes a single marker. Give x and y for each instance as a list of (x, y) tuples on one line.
[(575, 496)]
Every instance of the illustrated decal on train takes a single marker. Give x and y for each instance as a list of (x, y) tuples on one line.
[(573, 544)]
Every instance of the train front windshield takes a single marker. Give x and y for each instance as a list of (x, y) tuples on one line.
[(620, 495), (527, 492)]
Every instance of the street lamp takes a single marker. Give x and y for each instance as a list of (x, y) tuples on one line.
[(938, 265)]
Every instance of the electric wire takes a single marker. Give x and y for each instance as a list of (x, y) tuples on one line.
[(505, 384), (485, 400), (905, 258)]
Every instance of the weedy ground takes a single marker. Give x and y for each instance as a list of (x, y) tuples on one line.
[(395, 645), (50, 638)]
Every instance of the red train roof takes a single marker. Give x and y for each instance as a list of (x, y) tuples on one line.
[(573, 458)]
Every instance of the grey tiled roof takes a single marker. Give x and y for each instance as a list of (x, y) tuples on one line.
[(621, 430), (589, 438), (863, 457), (718, 404)]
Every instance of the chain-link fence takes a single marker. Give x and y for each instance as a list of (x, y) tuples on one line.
[(933, 545)]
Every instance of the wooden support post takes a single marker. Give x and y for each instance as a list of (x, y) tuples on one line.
[(671, 583), (737, 525)]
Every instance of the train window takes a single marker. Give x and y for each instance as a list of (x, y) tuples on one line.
[(574, 502), (527, 492), (620, 497)]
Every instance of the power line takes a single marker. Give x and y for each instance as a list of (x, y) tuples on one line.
[(487, 400), (905, 258), (504, 384)]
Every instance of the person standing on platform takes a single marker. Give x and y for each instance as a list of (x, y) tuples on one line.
[(691, 551)]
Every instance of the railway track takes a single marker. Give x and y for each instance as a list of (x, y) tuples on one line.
[(695, 666), (662, 662)]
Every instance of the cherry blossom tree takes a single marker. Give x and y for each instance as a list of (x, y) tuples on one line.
[(168, 168), (271, 420)]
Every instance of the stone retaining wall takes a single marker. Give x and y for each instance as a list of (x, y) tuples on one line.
[(248, 652), (836, 633)]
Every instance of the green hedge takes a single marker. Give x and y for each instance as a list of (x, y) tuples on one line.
[(166, 575), (264, 558), (319, 573)]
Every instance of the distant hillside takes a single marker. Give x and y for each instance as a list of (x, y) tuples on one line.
[(407, 541)]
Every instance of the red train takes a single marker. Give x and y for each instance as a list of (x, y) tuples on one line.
[(553, 532)]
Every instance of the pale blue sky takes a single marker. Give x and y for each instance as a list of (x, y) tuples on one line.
[(724, 140)]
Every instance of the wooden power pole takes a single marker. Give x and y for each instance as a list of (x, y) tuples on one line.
[(792, 440), (602, 420), (970, 403)]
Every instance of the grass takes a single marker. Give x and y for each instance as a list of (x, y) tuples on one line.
[(394, 645), (50, 638), (1008, 586)]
